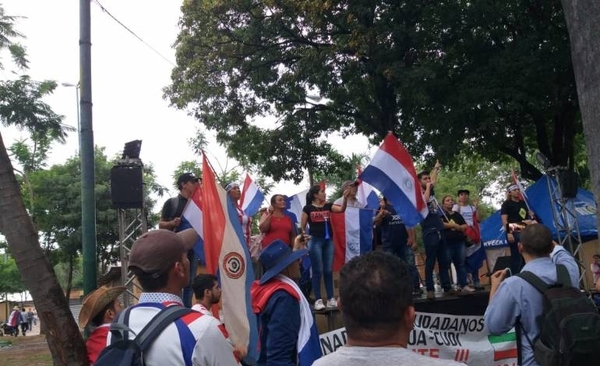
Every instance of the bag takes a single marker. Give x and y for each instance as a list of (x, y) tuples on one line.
[(123, 351), (569, 324)]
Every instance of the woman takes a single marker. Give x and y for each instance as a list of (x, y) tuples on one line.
[(316, 215), (454, 233), (233, 189), (275, 224)]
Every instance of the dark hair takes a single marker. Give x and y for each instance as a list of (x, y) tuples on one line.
[(98, 320), (424, 172), (537, 240), (201, 283), (149, 281), (375, 292), (274, 198), (310, 195)]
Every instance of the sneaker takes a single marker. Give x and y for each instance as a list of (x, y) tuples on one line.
[(319, 305), (478, 287), (430, 295), (417, 292), (331, 303), (467, 289)]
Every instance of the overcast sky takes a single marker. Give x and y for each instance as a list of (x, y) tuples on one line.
[(127, 78)]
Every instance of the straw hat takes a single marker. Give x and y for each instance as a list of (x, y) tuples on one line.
[(16, 308), (96, 301)]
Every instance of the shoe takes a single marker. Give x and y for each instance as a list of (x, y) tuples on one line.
[(467, 289), (478, 287), (331, 303), (430, 295), (417, 292), (450, 292), (319, 305)]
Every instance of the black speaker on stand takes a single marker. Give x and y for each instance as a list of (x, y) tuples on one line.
[(569, 182), (127, 186)]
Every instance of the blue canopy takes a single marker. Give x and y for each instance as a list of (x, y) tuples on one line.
[(583, 206)]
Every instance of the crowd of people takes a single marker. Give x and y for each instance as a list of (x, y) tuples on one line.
[(386, 280)]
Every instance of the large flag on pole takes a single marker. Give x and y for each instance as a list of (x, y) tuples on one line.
[(352, 234), (252, 198), (393, 173), (227, 252), (193, 214)]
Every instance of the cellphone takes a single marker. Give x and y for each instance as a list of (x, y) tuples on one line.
[(508, 272)]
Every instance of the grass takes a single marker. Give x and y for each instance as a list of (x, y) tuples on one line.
[(25, 351)]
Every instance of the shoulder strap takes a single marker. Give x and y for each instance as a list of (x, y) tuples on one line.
[(160, 321), (562, 275), (533, 280)]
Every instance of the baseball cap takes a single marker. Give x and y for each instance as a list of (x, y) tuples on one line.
[(158, 250), (186, 177)]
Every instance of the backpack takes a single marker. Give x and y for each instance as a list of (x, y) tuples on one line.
[(569, 324), (123, 351)]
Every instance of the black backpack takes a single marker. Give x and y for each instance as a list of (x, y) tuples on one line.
[(569, 324), (123, 351)]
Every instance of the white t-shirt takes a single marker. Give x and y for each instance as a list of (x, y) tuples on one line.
[(377, 356), (466, 212)]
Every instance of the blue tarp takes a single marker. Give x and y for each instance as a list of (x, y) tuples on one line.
[(583, 206)]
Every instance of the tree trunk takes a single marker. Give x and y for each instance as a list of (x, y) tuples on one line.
[(584, 32), (69, 279), (63, 336)]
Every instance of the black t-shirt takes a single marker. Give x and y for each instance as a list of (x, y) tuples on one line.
[(516, 211), (392, 228), (454, 236), (173, 208), (433, 221), (317, 218)]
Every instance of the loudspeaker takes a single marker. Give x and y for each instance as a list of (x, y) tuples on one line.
[(569, 182), (126, 187)]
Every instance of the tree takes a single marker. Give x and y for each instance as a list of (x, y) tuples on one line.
[(445, 77), (584, 31), (21, 105)]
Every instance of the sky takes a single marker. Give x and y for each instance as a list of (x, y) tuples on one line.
[(127, 80)]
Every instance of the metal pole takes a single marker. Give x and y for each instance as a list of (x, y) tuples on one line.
[(86, 150)]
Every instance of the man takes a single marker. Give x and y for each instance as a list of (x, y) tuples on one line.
[(15, 319), (30, 319), (378, 312), (171, 219), (288, 335), (515, 216), (433, 240), (207, 292), (513, 299), (159, 260), (24, 324), (351, 200), (396, 239), (469, 212), (99, 309)]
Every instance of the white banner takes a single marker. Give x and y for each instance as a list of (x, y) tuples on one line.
[(460, 338)]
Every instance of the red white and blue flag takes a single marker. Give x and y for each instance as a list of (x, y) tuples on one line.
[(392, 172), (352, 234), (294, 205), (226, 252), (252, 198), (193, 214)]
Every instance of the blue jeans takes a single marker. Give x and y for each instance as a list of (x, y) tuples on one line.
[(321, 259), (435, 249), (516, 260), (188, 292), (404, 252), (457, 252)]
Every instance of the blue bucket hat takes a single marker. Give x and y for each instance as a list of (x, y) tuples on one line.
[(277, 256)]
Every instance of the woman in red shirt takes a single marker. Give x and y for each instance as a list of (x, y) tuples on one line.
[(275, 224)]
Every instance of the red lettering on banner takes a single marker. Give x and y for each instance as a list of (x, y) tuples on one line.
[(430, 352)]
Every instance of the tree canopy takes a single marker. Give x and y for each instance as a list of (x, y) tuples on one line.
[(488, 77)]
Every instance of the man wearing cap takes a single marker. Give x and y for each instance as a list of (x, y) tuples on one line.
[(234, 192), (288, 335), (159, 260), (15, 319), (515, 216), (99, 309), (171, 219)]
